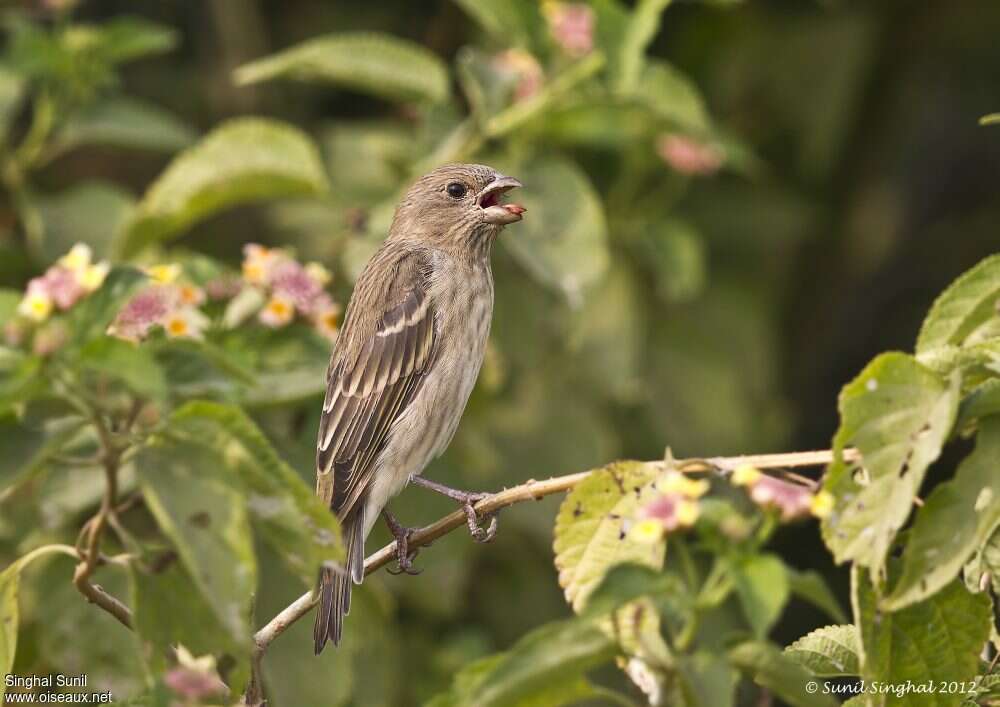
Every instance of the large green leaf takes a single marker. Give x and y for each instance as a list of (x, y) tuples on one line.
[(550, 659), (189, 490), (375, 63), (831, 651), (124, 122), (563, 238), (762, 586), (898, 414), (243, 160), (968, 304), (956, 519), (292, 519), (20, 379), (937, 639), (771, 669)]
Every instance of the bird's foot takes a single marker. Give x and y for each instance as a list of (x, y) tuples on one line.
[(468, 501), (404, 556)]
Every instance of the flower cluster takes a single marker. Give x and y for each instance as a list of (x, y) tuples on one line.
[(676, 507), (793, 500), (289, 288), (522, 69), (168, 302), (73, 277), (571, 25), (688, 155)]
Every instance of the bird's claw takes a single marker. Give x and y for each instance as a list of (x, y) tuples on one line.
[(404, 555), (479, 534)]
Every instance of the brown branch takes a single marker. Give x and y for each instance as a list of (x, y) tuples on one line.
[(90, 558), (529, 491)]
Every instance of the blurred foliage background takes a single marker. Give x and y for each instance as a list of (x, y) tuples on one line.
[(712, 249)]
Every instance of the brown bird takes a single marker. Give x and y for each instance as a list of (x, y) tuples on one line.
[(405, 363)]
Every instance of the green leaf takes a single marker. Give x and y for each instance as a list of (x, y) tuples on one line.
[(132, 364), (379, 64), (811, 587), (671, 96), (982, 401), (762, 587), (124, 122), (969, 303), (563, 242), (199, 507), (124, 39), (937, 639), (292, 519), (986, 561), (243, 160), (898, 414), (770, 668), (832, 651), (510, 22), (706, 679), (591, 534), (548, 660), (166, 612), (88, 212), (624, 583), (956, 519), (643, 23), (9, 612)]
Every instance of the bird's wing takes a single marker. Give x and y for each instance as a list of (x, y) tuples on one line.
[(373, 379)]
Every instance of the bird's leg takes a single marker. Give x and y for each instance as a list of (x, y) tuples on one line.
[(404, 558), (468, 500)]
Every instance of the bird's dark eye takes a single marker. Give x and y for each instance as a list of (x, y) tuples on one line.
[(456, 190)]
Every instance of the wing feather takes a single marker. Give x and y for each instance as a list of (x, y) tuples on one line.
[(368, 391)]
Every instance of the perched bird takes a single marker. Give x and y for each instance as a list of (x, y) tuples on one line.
[(405, 363)]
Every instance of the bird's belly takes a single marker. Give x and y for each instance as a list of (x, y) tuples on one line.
[(427, 426)]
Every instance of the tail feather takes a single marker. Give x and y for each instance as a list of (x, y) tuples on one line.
[(335, 586)]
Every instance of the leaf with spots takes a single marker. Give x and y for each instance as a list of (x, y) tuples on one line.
[(898, 414), (956, 519), (592, 537), (937, 639), (192, 495)]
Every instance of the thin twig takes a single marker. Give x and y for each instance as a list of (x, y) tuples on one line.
[(532, 491)]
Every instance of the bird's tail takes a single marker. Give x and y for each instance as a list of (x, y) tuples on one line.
[(335, 585)]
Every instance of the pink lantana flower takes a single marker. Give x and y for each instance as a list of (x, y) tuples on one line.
[(689, 156), (792, 500), (524, 71)]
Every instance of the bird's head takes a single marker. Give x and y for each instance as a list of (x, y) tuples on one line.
[(457, 201)]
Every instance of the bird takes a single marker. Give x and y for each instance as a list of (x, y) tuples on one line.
[(404, 364)]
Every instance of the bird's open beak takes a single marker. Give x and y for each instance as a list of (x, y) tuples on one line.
[(489, 201)]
